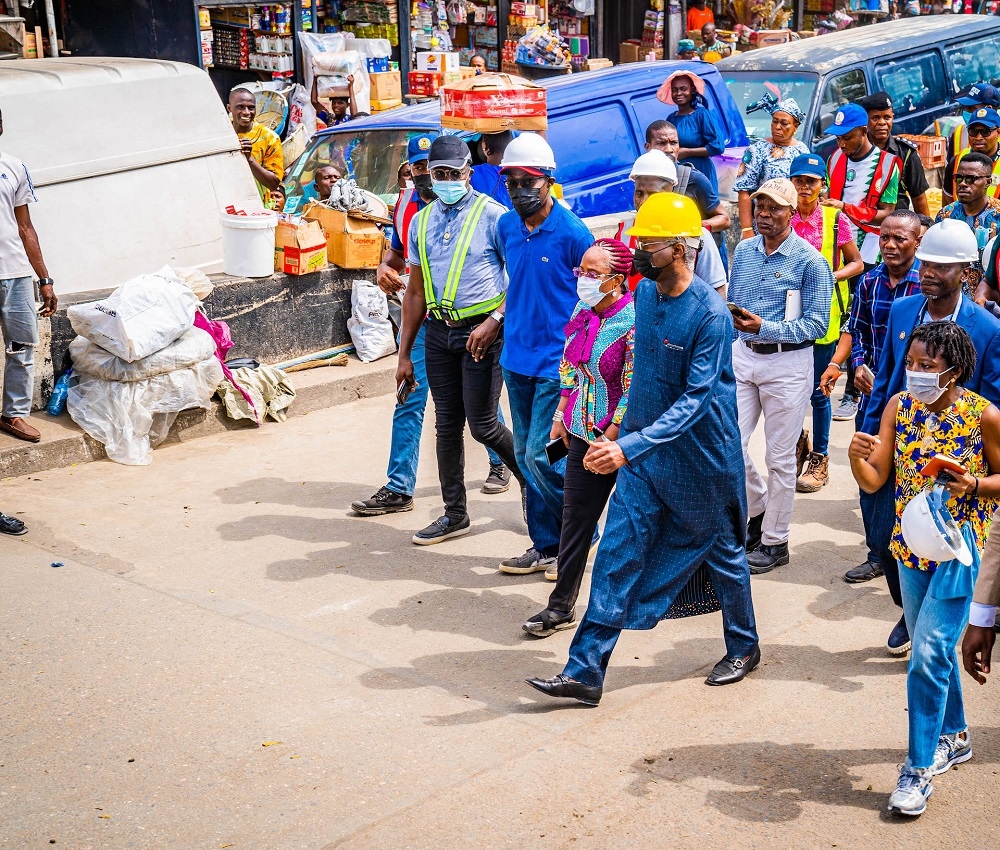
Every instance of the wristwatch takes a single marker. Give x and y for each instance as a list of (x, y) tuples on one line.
[(497, 316), (46, 281)]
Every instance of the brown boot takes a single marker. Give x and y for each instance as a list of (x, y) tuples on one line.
[(816, 476), (803, 448)]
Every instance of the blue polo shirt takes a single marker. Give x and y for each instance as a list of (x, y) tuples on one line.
[(541, 294), (487, 179)]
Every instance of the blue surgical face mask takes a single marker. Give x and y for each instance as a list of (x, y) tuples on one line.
[(450, 191), (926, 386)]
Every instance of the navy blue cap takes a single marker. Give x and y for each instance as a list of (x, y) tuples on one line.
[(848, 118), (808, 164), (986, 116), (419, 147), (979, 94)]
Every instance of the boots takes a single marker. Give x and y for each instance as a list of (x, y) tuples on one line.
[(816, 476), (802, 450)]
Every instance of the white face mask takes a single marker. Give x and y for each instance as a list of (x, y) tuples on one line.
[(926, 386), (589, 290)]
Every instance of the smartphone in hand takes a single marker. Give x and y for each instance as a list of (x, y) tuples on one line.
[(403, 392), (736, 310)]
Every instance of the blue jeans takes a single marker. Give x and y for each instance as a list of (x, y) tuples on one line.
[(933, 679), (19, 323), (821, 408), (532, 403), (407, 424)]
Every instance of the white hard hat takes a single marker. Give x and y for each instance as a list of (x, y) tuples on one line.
[(929, 530), (529, 150), (654, 163), (949, 241)]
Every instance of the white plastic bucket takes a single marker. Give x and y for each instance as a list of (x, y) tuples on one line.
[(248, 243)]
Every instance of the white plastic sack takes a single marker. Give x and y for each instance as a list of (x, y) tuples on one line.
[(198, 282), (190, 348), (301, 113), (141, 316), (345, 63), (369, 324), (131, 418)]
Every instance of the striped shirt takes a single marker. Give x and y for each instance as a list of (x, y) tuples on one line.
[(760, 283), (869, 320)]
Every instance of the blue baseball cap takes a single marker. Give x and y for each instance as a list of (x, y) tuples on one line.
[(808, 164), (979, 94), (986, 116), (419, 147), (848, 118)]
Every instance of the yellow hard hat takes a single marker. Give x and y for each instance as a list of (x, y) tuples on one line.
[(667, 215)]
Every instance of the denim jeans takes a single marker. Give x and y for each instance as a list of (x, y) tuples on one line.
[(408, 423), (532, 403), (933, 680), (19, 323), (821, 408), (464, 390)]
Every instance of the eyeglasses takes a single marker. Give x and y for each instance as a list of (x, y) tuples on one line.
[(526, 183), (578, 272), (970, 178), (980, 130), (652, 246), (448, 173)]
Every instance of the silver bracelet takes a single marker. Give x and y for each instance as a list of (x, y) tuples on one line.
[(558, 416)]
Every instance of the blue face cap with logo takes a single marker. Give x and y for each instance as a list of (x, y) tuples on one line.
[(987, 117), (848, 118), (808, 164), (419, 147), (979, 94)]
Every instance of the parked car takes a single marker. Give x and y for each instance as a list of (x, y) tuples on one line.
[(597, 124), (921, 62)]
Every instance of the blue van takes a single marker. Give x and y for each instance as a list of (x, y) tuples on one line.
[(597, 124), (921, 62)]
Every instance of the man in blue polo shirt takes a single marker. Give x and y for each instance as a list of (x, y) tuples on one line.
[(543, 243)]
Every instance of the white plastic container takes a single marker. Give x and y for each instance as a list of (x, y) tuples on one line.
[(248, 243)]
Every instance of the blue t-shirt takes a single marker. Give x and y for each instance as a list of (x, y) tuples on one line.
[(486, 179), (541, 294)]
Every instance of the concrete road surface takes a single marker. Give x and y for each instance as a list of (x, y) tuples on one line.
[(226, 659)]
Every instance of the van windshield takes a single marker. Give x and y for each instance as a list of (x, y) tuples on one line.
[(370, 157), (748, 87)]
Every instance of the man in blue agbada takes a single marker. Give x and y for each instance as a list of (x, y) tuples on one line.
[(674, 540)]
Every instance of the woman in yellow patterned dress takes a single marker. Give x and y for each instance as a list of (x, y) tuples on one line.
[(935, 415)]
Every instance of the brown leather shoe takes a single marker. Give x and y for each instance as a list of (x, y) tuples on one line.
[(18, 427)]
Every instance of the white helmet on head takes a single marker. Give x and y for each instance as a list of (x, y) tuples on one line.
[(949, 241), (531, 151), (654, 163)]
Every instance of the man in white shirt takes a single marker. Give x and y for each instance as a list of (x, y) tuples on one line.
[(19, 254)]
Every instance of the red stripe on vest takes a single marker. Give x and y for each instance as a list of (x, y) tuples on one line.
[(866, 211)]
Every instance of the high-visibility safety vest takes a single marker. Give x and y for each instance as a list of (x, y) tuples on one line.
[(445, 308), (991, 191), (840, 293), (862, 214)]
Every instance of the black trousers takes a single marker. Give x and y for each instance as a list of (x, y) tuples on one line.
[(464, 391), (584, 496)]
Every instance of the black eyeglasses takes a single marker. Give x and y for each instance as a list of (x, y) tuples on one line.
[(448, 173), (526, 183), (970, 178), (980, 130)]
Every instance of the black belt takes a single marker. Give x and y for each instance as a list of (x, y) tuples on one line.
[(775, 347), (462, 323)]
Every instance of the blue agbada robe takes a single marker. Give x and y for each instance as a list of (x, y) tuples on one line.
[(680, 503)]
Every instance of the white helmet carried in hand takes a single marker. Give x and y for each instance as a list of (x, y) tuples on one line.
[(930, 531), (654, 163), (529, 150), (949, 241)]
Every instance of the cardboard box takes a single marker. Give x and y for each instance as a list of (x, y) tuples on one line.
[(628, 51), (386, 85), (385, 105), (437, 61), (351, 242), (491, 103), (765, 38), (299, 248), (427, 83)]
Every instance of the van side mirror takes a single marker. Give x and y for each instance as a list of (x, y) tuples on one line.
[(823, 123)]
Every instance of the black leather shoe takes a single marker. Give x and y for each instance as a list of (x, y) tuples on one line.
[(863, 572), (763, 559), (730, 670), (12, 525), (564, 686), (754, 527)]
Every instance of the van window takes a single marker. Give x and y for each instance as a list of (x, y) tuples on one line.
[(608, 147), (748, 87), (844, 88), (914, 83), (972, 61)]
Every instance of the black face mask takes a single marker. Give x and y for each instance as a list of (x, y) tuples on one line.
[(424, 186), (644, 264), (527, 202)]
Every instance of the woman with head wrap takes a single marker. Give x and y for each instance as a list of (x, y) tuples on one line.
[(768, 158), (697, 130), (595, 374)]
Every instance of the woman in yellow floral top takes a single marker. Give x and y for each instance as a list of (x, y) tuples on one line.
[(935, 415)]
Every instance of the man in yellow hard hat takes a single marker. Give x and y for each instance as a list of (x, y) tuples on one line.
[(673, 542)]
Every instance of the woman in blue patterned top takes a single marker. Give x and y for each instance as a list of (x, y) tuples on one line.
[(594, 375)]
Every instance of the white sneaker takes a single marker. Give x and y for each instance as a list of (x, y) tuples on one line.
[(912, 791), (552, 571), (847, 409), (951, 750)]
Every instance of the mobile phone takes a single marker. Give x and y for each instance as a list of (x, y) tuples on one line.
[(867, 371), (403, 391), (735, 309), (556, 451)]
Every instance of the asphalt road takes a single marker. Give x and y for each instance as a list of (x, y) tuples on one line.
[(226, 658)]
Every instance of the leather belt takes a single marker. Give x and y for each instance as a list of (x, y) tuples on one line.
[(463, 323), (776, 347)]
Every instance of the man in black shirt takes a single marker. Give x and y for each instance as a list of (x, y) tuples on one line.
[(912, 182)]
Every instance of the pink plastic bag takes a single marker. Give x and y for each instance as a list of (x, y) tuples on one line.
[(219, 331)]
